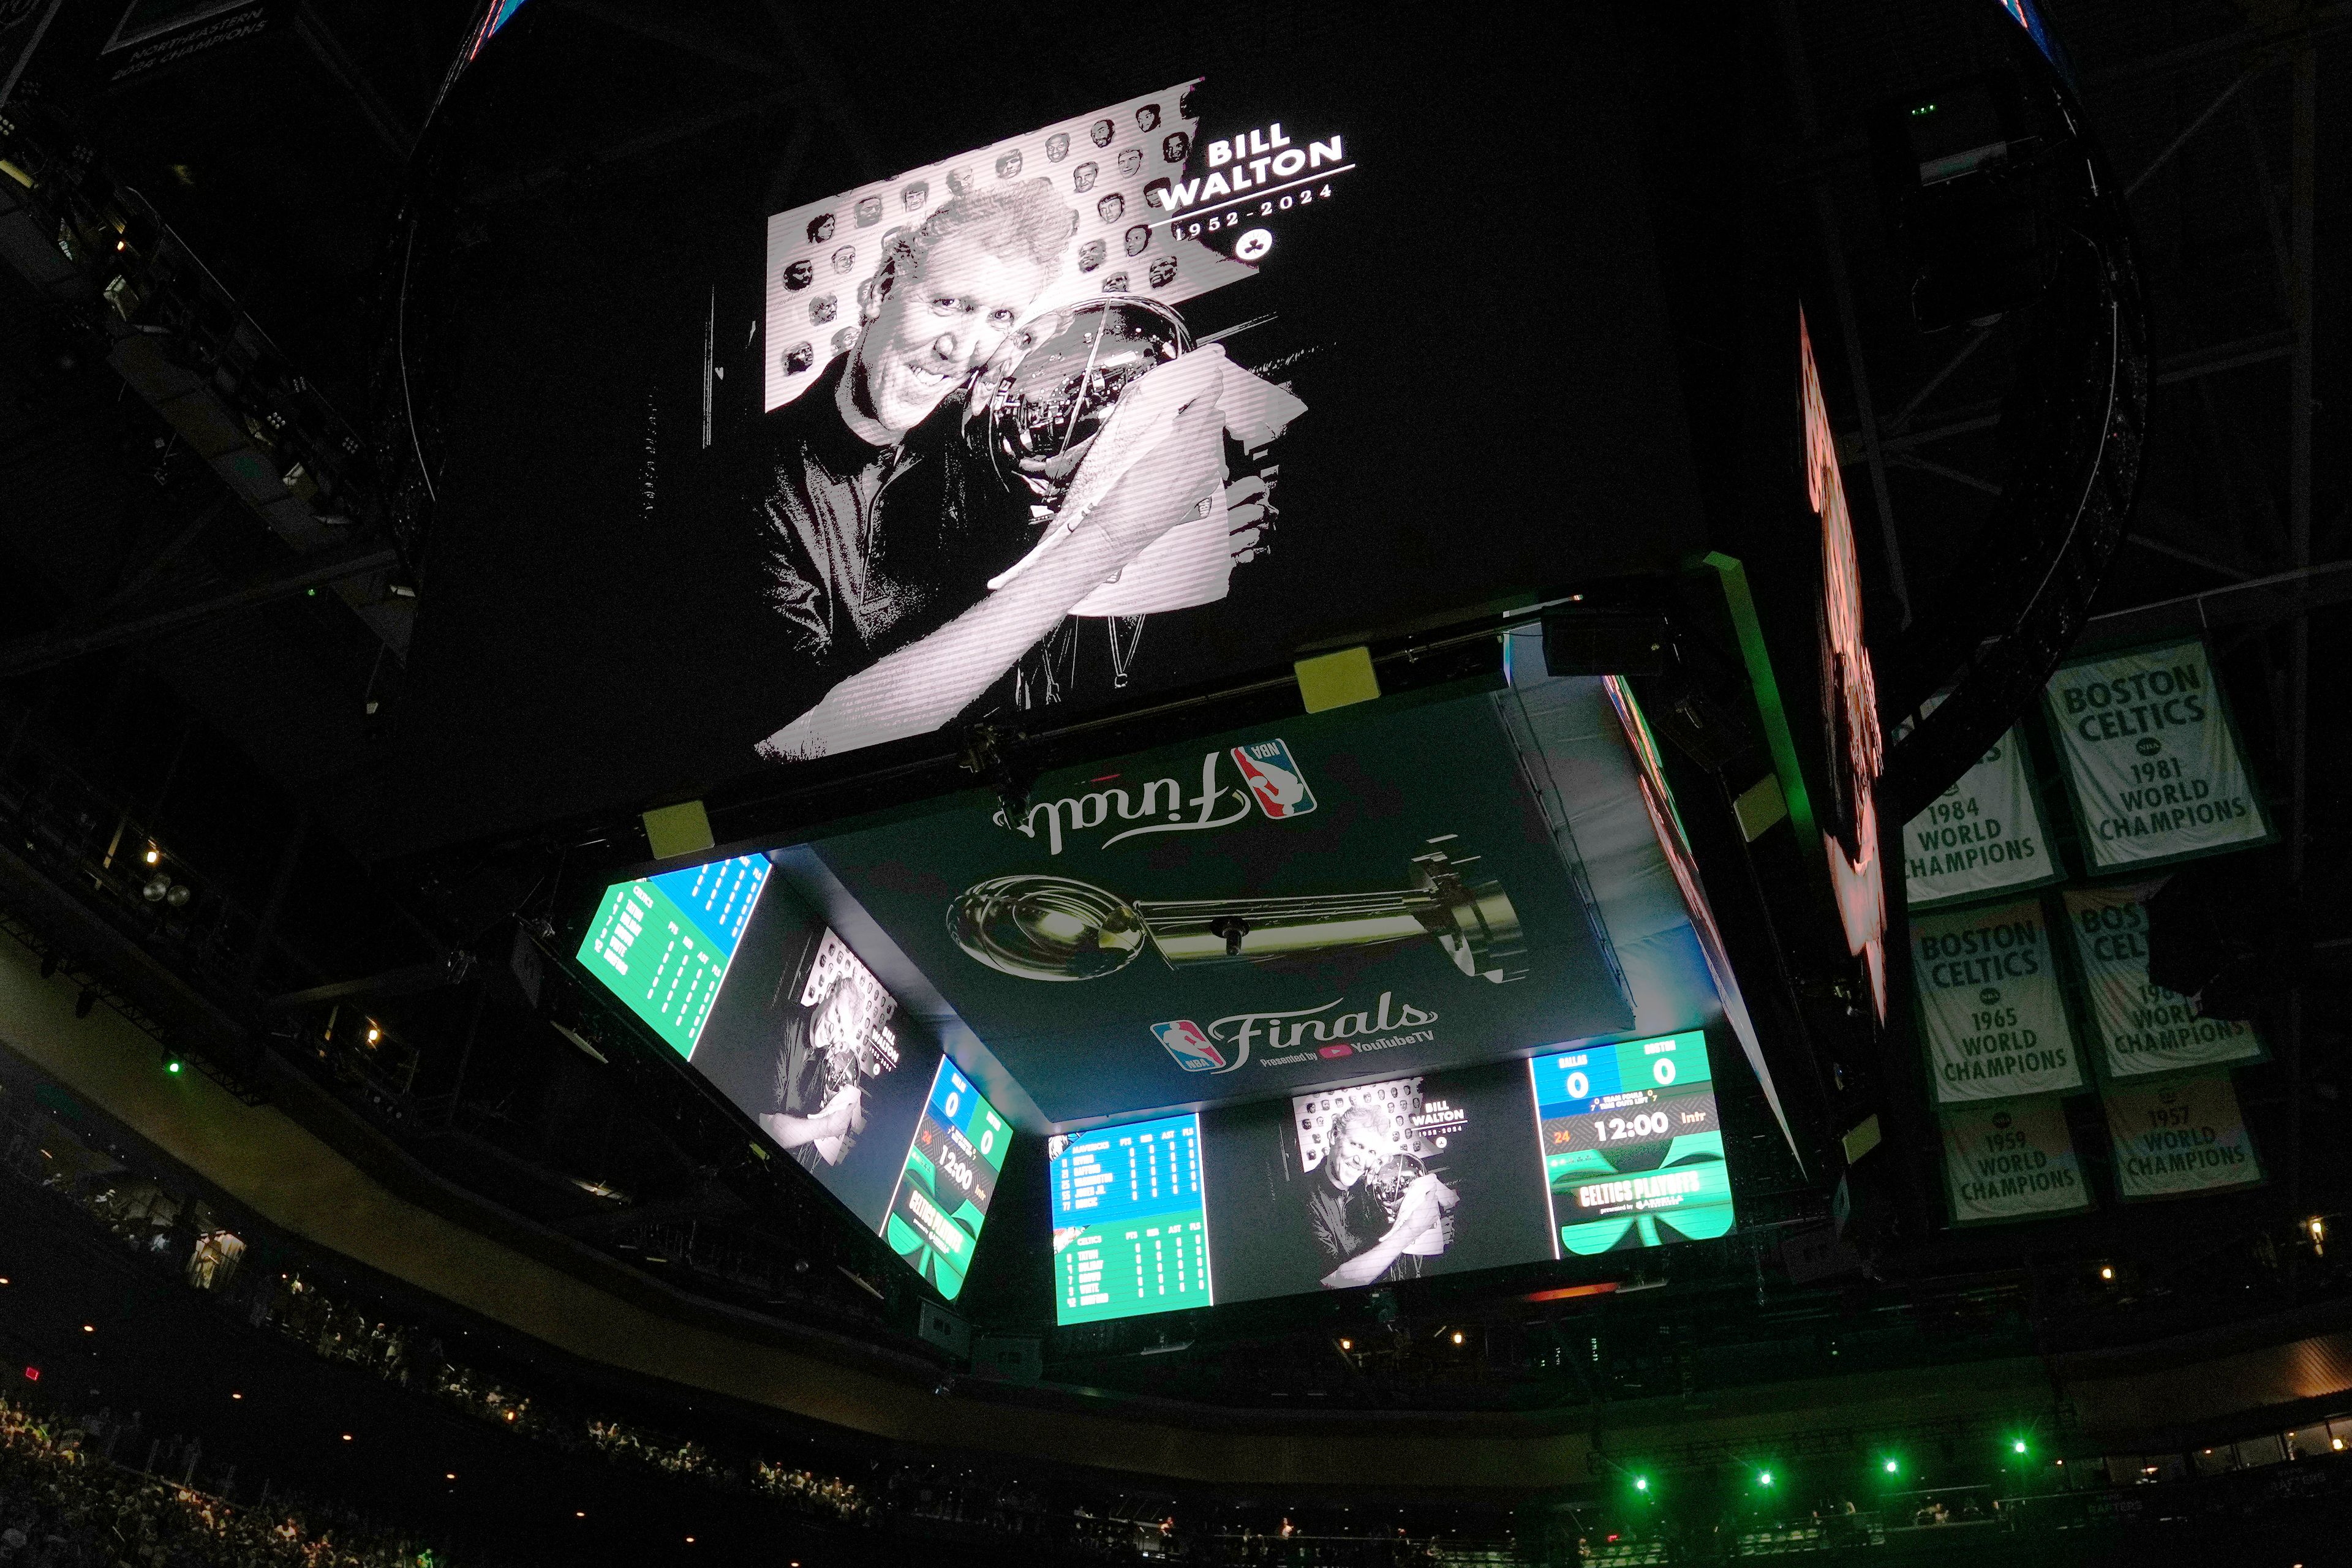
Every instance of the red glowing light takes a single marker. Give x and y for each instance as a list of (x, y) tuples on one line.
[(1857, 872)]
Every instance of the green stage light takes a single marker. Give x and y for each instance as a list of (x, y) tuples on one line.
[(1894, 1466), (2017, 1447), (1763, 1477), (1640, 1483)]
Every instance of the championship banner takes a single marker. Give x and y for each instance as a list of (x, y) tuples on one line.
[(1984, 835), (2152, 758), (1990, 1007), (2010, 1160), (2142, 1027), (2183, 1136)]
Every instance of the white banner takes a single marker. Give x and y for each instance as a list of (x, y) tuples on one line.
[(2009, 1160), (2182, 1135), (1984, 835), (2153, 761), (1989, 1007), (2142, 1027)]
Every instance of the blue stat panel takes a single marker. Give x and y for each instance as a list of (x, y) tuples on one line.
[(662, 943), (1130, 1228)]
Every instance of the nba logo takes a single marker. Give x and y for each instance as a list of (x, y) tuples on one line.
[(1193, 1049), (1274, 779)]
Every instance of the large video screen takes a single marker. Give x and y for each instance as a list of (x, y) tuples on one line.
[(1041, 398), (785, 1021), (1371, 889), (662, 943), (1632, 1147), (1573, 1153)]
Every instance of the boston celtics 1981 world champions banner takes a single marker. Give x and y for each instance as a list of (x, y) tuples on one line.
[(2152, 758), (1991, 1012)]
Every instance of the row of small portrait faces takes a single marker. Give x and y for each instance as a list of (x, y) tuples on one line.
[(1174, 148), (800, 274), (801, 357), (1091, 254), (869, 210)]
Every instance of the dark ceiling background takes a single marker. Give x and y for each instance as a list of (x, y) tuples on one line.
[(228, 738)]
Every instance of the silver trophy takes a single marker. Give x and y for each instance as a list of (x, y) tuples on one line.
[(1064, 388), (1057, 927)]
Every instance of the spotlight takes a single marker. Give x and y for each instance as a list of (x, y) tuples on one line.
[(2317, 1227), (2106, 1271), (2017, 1447), (237, 1397), (1763, 1477), (1457, 1336), (172, 1064), (153, 855), (1640, 1483), (373, 1034), (1347, 1344), (1894, 1466), (89, 1328), (347, 1436)]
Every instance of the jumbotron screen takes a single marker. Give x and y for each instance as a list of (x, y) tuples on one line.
[(1574, 1154), (785, 1021), (1081, 380)]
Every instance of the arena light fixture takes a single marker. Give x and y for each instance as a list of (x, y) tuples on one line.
[(1763, 1477), (1894, 1466)]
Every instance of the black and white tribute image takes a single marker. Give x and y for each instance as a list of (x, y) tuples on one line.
[(833, 1035), (1380, 1210), (808, 1045), (1375, 1183), (1011, 449), (1052, 389)]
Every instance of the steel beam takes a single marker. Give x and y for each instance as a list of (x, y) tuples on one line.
[(335, 564), (2303, 198)]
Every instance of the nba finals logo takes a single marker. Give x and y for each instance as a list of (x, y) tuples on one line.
[(1189, 1045), (1274, 778)]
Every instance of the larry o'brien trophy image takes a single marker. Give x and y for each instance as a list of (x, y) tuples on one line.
[(1057, 927)]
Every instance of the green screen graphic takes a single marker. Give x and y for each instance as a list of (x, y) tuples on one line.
[(1632, 1148), (662, 943), (1131, 1231), (950, 1175)]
